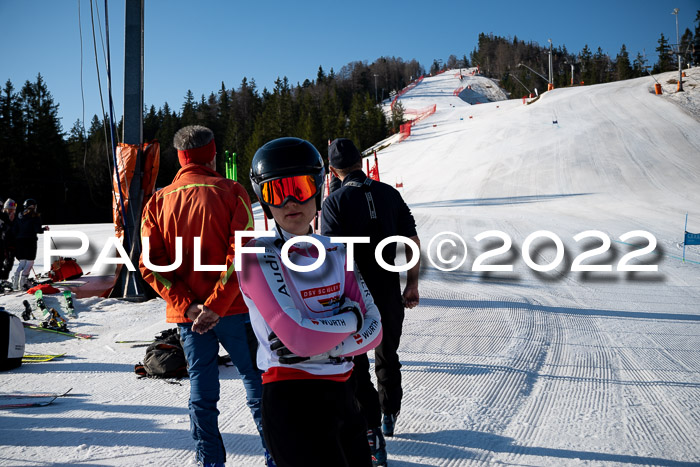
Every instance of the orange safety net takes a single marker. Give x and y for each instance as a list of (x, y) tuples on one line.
[(420, 114), (126, 163), (411, 85)]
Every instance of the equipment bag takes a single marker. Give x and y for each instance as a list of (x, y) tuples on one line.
[(65, 269), (11, 341), (164, 357)]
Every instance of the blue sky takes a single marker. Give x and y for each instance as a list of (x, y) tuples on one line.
[(197, 45)]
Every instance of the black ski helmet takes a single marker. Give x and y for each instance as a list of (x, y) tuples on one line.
[(29, 203), (285, 157)]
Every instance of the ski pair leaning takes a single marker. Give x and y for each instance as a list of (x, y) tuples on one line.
[(51, 316)]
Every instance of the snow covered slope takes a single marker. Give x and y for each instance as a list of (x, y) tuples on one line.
[(518, 368)]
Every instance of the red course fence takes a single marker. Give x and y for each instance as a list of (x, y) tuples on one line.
[(411, 85), (421, 114)]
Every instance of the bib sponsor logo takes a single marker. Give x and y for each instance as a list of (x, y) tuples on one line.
[(322, 299), (315, 292)]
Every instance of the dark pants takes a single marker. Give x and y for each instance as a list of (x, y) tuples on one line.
[(202, 351), (387, 397), (311, 422)]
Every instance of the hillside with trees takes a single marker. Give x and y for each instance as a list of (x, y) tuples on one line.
[(70, 173)]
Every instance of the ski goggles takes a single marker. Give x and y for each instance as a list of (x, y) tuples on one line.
[(300, 188)]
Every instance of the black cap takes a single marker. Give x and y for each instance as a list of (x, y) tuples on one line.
[(342, 154)]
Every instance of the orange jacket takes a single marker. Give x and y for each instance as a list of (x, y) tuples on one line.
[(199, 203)]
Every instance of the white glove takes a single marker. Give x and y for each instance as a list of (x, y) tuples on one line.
[(334, 352)]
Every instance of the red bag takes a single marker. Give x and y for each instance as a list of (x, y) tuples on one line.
[(45, 288), (65, 269)]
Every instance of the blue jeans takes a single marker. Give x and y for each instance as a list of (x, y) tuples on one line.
[(202, 351)]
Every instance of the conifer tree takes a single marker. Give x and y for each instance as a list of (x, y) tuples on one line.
[(639, 67), (12, 138), (686, 47), (586, 59), (42, 167), (695, 52), (622, 64), (187, 116), (151, 123), (665, 62), (169, 164)]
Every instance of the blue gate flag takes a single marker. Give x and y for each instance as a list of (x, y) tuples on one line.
[(692, 238)]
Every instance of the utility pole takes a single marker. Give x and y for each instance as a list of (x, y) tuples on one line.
[(550, 82), (678, 44), (572, 74), (131, 282), (375, 88)]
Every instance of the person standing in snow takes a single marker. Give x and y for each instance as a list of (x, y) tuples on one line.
[(25, 231), (7, 238), (367, 208), (206, 305), (309, 323)]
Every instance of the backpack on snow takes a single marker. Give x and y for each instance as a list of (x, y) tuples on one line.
[(11, 341), (164, 357), (64, 269)]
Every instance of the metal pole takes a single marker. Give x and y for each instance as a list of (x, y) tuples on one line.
[(375, 88), (685, 231), (572, 74), (551, 83), (132, 282), (678, 44)]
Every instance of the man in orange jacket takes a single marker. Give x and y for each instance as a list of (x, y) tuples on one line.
[(192, 222)]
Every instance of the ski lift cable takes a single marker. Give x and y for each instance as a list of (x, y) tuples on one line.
[(82, 90), (102, 105), (99, 25), (82, 98), (113, 131)]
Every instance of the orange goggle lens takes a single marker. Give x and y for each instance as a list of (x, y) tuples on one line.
[(276, 192)]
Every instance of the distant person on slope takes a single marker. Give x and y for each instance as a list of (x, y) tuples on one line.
[(25, 231), (308, 323), (366, 208), (206, 305)]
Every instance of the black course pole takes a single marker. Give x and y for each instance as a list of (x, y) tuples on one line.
[(131, 282)]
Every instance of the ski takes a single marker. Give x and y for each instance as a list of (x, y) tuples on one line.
[(21, 395), (27, 404), (36, 358), (39, 296), (68, 299), (63, 333)]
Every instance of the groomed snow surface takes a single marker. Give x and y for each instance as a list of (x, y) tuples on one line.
[(554, 368)]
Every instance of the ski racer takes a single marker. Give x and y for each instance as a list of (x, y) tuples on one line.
[(309, 323)]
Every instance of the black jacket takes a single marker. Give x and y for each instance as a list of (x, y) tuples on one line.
[(28, 225), (346, 212)]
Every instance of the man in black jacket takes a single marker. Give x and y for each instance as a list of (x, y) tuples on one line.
[(26, 229), (368, 208)]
